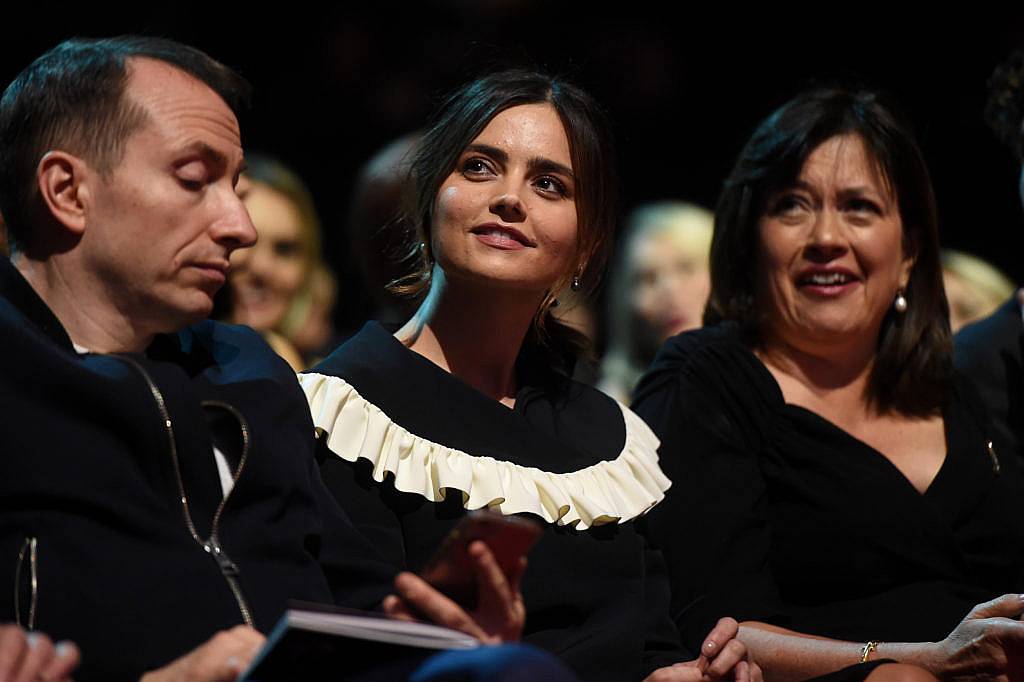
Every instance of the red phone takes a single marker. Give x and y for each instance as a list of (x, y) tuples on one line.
[(451, 569)]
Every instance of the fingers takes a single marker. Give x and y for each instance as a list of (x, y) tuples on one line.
[(680, 672), (501, 607), (756, 674), (434, 606), (490, 579), (725, 630), (395, 608), (66, 658), (29, 656), (226, 655), (12, 648), (729, 657), (1006, 606), (38, 651)]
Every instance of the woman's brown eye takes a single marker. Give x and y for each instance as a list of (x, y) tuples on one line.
[(286, 249)]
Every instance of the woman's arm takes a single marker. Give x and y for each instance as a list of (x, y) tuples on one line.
[(988, 643)]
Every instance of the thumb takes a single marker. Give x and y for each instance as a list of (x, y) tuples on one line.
[(1006, 606)]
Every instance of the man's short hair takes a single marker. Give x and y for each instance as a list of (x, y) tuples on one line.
[(72, 98)]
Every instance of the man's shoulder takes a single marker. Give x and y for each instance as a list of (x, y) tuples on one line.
[(234, 349), (991, 337)]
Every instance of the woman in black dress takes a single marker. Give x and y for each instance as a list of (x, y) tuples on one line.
[(470, 405), (856, 508)]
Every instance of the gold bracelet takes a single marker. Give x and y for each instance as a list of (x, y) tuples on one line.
[(866, 650)]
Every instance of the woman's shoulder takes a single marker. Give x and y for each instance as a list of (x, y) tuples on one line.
[(712, 361)]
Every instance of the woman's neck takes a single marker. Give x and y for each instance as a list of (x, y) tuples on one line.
[(474, 333), (832, 383)]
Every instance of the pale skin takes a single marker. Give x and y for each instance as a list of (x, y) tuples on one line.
[(31, 656), (819, 344), (141, 250), (485, 292)]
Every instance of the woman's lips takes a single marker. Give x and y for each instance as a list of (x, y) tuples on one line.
[(502, 237)]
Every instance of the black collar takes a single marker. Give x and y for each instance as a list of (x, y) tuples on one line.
[(22, 296)]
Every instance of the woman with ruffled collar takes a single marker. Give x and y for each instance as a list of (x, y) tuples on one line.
[(470, 405)]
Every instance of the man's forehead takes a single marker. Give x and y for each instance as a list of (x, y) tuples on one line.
[(182, 106)]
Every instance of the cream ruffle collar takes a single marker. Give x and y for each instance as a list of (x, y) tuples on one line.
[(612, 491)]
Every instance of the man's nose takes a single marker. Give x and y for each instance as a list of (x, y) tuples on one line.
[(233, 227)]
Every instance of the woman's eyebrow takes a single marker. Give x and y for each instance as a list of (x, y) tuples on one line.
[(543, 165)]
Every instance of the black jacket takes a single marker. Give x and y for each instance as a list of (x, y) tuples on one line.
[(95, 452)]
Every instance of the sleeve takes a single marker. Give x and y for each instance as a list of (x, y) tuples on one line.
[(361, 499), (662, 644), (358, 572), (712, 526)]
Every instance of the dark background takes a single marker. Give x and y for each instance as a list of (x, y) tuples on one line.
[(333, 86)]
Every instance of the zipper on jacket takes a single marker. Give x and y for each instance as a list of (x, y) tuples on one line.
[(27, 551), (212, 546)]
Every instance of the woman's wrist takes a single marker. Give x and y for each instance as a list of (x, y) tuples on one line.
[(922, 654)]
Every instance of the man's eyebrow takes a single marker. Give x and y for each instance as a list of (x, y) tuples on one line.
[(209, 154)]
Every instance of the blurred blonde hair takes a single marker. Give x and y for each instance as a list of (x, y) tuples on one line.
[(690, 227), (982, 287)]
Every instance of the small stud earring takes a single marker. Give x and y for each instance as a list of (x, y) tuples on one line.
[(576, 284), (900, 304)]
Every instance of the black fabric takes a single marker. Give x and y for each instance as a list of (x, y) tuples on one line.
[(86, 469), (991, 353), (805, 526), (595, 598)]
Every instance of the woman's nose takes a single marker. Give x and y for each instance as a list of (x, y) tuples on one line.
[(827, 240), (509, 207)]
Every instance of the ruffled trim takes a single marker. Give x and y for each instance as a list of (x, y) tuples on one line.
[(612, 491)]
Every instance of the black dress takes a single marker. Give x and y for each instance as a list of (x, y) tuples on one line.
[(566, 454), (807, 527)]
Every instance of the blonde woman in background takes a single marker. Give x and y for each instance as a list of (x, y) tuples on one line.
[(974, 288), (658, 288), (281, 287)]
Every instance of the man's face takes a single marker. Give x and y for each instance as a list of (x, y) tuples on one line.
[(161, 225)]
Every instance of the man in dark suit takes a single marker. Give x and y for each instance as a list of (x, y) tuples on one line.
[(991, 351)]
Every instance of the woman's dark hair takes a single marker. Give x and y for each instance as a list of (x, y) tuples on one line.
[(461, 118), (914, 354)]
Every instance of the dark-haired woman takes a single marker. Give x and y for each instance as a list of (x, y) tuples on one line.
[(856, 509), (470, 404)]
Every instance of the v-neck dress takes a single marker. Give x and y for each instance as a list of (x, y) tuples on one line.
[(806, 526), (408, 448)]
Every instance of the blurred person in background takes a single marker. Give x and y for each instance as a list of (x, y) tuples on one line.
[(974, 288), (379, 232), (281, 287), (991, 351), (658, 288)]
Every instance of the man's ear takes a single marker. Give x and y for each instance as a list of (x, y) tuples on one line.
[(63, 187)]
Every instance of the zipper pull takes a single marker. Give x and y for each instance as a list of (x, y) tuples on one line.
[(227, 566), (994, 457)]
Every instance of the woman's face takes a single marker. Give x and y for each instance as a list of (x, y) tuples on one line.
[(670, 284), (506, 216), (265, 278), (831, 252)]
